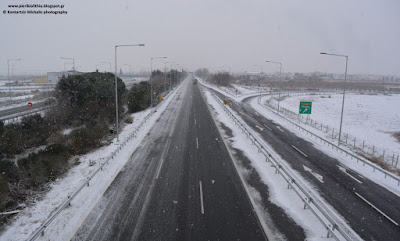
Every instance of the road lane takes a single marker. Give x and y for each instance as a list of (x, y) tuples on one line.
[(337, 187), (179, 185)]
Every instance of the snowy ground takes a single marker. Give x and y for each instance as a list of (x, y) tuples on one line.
[(372, 119), (347, 161), (279, 194), (31, 218), (243, 91)]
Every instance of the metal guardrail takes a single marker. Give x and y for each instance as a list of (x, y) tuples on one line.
[(334, 228), (365, 162), (42, 228)]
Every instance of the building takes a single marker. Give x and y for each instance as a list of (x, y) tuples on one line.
[(54, 77)]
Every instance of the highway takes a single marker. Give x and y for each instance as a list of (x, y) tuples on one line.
[(180, 184), (371, 210), (4, 114)]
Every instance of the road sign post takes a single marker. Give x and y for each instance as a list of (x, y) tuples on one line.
[(305, 107)]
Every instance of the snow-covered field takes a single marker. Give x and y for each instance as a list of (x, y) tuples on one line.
[(369, 118), (31, 218)]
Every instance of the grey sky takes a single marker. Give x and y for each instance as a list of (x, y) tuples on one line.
[(207, 33)]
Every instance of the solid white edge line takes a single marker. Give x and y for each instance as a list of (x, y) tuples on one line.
[(201, 198), (159, 168), (372, 205), (297, 149), (345, 172), (267, 127)]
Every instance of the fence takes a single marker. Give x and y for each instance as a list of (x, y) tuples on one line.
[(359, 146)]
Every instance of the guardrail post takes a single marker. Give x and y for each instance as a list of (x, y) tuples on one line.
[(383, 156), (328, 235), (305, 203)]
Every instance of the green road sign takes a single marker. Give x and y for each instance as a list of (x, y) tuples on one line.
[(305, 107)]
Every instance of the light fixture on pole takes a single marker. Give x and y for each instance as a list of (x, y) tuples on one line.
[(9, 79), (280, 79), (73, 62), (116, 85), (344, 89), (151, 77)]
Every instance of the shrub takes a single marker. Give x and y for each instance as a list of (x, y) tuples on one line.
[(139, 97), (9, 171), (32, 131), (83, 139), (4, 194), (87, 97), (39, 168)]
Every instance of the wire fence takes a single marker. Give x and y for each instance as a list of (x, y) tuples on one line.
[(385, 157)]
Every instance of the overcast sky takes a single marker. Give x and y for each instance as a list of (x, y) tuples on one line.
[(216, 34)]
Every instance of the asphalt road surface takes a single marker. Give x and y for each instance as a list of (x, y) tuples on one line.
[(371, 210), (180, 184), (21, 109)]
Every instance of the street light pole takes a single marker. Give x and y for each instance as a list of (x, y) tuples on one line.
[(171, 72), (116, 84), (280, 79), (9, 79), (151, 76), (344, 90)]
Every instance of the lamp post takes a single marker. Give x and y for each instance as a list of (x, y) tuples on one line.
[(151, 77), (344, 89), (116, 85), (73, 62), (166, 72), (280, 79), (9, 79)]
